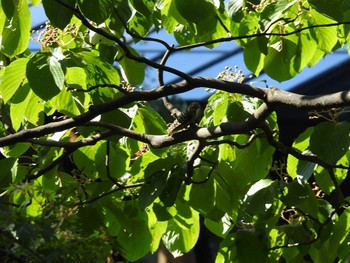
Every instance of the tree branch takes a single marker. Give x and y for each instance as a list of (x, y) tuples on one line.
[(273, 97)]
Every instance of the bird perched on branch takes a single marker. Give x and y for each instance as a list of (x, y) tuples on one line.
[(185, 119)]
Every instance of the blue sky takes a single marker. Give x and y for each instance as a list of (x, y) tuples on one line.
[(188, 61)]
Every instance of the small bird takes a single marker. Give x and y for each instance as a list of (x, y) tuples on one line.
[(185, 119)]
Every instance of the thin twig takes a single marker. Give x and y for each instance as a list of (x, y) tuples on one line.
[(94, 199), (104, 85), (48, 168)]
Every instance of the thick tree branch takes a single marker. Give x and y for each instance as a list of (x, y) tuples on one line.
[(273, 97)]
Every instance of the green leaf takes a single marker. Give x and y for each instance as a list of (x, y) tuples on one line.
[(260, 197), (45, 75), (97, 71), (157, 229), (281, 52), (259, 151), (338, 242), (326, 37), (98, 10), (170, 16), (152, 188), (195, 10), (172, 188), (58, 16), (65, 103), (12, 78), (132, 71), (300, 196), (202, 196), (330, 141), (227, 250), (90, 218), (135, 240), (16, 31), (149, 121), (272, 12), (75, 78), (305, 52), (300, 169), (335, 11), (221, 227), (8, 166), (143, 7), (253, 57), (182, 231), (248, 241), (20, 103)]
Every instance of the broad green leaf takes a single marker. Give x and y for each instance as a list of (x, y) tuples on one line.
[(143, 6), (97, 11), (65, 103), (15, 150), (296, 233), (227, 250), (338, 242), (229, 188), (97, 71), (234, 7), (330, 141), (170, 16), (90, 218), (195, 10), (8, 176), (157, 229), (248, 241), (75, 78), (58, 16), (116, 117), (111, 221), (152, 188), (19, 105), (306, 50), (323, 179), (281, 52), (135, 240), (300, 169), (15, 34), (335, 11), (132, 71), (149, 121), (260, 197), (253, 57), (45, 75), (117, 160), (172, 188), (326, 37), (35, 208), (182, 231), (261, 153), (272, 12), (85, 160), (25, 105), (12, 78), (140, 24), (220, 227), (301, 196), (202, 196)]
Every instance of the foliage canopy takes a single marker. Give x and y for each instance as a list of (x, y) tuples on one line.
[(88, 168)]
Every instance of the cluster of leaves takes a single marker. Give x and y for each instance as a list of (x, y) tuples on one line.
[(88, 169)]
